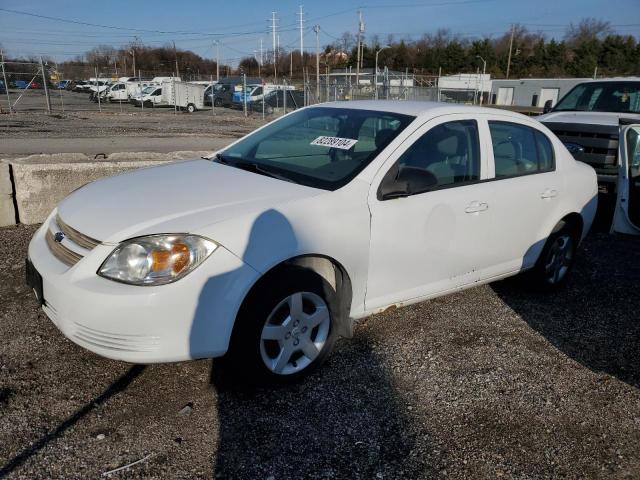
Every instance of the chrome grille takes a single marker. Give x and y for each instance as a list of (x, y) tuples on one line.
[(74, 245), (75, 236), (62, 253)]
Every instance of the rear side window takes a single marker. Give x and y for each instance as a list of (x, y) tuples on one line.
[(519, 150)]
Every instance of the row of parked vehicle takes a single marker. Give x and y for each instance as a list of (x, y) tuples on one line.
[(230, 92)]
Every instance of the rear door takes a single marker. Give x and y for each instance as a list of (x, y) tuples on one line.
[(527, 191), (626, 218)]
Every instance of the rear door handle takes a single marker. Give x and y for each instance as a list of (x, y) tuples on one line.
[(475, 207), (549, 193)]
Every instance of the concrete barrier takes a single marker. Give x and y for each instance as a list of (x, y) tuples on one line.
[(40, 182), (7, 210)]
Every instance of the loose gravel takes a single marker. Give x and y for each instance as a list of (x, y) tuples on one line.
[(494, 381)]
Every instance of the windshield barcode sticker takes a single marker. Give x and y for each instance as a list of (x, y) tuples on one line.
[(335, 142)]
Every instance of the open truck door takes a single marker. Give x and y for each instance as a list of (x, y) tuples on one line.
[(626, 218)]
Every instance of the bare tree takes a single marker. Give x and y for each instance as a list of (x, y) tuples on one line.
[(588, 29)]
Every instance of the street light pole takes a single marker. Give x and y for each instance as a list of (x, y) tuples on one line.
[(484, 69), (376, 77)]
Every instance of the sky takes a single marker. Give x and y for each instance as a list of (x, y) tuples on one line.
[(238, 26)]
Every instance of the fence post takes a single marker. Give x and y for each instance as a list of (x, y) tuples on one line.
[(44, 84), (284, 96), (244, 93), (6, 84)]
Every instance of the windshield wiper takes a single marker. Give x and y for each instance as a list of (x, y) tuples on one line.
[(250, 167), (255, 168)]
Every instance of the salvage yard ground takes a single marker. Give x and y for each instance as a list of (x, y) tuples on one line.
[(118, 128), (495, 381), (491, 382)]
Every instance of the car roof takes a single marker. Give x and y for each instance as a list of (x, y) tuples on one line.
[(417, 108)]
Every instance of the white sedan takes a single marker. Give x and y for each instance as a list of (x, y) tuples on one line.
[(269, 250)]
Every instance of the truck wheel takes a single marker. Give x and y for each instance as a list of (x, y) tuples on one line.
[(191, 108), (217, 102), (284, 330)]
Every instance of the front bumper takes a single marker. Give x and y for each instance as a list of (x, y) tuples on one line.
[(191, 318)]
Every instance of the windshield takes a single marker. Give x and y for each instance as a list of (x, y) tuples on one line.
[(319, 147), (148, 90), (620, 97)]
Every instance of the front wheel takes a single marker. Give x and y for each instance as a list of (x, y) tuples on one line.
[(217, 102), (285, 329)]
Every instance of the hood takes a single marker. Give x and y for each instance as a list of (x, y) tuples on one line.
[(178, 197), (591, 118)]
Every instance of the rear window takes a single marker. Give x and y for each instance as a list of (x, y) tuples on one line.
[(519, 150)]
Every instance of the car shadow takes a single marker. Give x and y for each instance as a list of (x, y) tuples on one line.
[(344, 421), (594, 319)]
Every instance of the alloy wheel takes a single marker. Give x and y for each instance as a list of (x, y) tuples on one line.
[(559, 259), (295, 333)]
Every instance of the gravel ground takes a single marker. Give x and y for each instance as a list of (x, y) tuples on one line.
[(81, 118), (491, 382)]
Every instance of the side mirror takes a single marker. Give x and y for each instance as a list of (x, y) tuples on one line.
[(407, 181), (547, 106)]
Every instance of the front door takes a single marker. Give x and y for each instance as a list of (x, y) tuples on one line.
[(626, 218), (430, 224)]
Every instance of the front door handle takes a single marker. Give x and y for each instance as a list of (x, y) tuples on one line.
[(476, 207), (549, 193)]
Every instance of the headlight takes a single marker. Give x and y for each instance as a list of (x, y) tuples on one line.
[(156, 259)]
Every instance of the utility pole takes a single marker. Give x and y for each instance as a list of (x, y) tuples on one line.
[(44, 84), (275, 55), (175, 53), (510, 48), (261, 59), (6, 85), (301, 38), (217, 60), (360, 32), (316, 29)]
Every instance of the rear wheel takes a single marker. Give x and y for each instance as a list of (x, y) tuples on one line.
[(217, 102), (191, 108), (556, 260), (285, 329)]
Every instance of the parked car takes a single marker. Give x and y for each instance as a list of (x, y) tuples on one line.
[(268, 251), (20, 84), (587, 120), (150, 96), (276, 99), (62, 84), (35, 85), (3, 89)]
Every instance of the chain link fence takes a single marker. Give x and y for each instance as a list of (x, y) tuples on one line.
[(38, 86)]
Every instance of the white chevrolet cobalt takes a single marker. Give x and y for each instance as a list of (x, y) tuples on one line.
[(269, 250)]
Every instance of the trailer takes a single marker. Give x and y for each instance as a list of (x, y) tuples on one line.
[(183, 95)]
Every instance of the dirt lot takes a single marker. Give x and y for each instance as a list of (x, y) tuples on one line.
[(81, 118), (491, 382)]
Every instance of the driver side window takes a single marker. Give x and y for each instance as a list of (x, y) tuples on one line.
[(448, 154)]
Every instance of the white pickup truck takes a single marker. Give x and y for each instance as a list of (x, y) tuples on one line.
[(599, 123)]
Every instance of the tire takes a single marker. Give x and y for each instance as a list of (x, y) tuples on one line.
[(217, 102), (555, 263), (269, 346), (191, 108)]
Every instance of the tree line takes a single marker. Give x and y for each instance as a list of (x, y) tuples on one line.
[(587, 48)]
